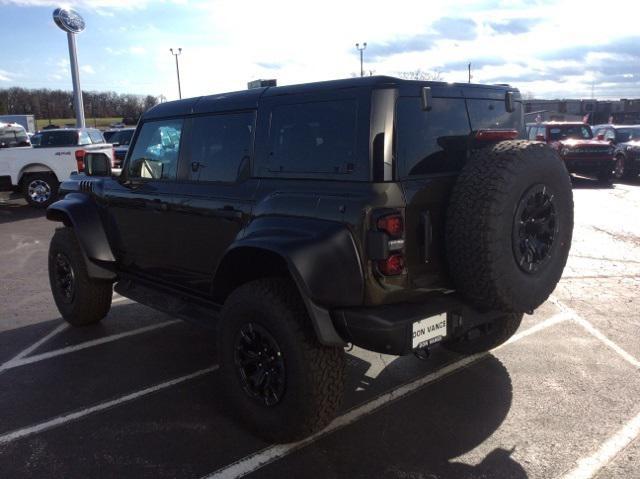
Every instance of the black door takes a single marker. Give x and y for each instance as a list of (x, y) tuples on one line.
[(142, 205), (214, 193)]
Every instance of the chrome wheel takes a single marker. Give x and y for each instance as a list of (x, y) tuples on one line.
[(39, 191), (618, 171)]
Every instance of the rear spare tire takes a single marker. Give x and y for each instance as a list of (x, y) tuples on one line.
[(509, 226)]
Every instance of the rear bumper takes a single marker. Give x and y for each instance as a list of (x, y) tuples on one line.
[(389, 328)]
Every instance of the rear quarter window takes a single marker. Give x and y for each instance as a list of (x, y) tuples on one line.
[(96, 136), (313, 140)]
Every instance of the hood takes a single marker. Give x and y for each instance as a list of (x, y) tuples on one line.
[(572, 142)]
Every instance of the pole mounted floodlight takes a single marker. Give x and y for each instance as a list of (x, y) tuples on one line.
[(71, 22), (361, 49), (177, 69)]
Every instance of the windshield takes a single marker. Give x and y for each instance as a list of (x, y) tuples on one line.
[(627, 134), (564, 132)]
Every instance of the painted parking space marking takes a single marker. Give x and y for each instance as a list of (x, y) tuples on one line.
[(590, 466), (65, 418), (266, 456), (25, 352), (87, 344), (591, 329)]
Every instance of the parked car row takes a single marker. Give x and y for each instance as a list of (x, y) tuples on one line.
[(613, 152), (37, 167)]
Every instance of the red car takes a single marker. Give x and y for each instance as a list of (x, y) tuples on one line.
[(574, 141)]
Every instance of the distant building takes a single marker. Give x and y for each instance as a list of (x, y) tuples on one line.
[(622, 111)]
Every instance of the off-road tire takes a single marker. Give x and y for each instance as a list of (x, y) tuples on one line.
[(91, 299), (481, 224), (48, 179), (605, 177), (486, 336), (314, 382)]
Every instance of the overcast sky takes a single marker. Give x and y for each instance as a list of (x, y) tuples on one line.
[(551, 49)]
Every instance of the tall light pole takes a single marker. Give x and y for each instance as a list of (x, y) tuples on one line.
[(361, 49), (71, 22), (177, 69)]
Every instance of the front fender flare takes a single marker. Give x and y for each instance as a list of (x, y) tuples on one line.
[(78, 211)]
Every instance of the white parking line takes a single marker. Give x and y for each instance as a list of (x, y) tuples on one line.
[(270, 454), (590, 328), (65, 418), (9, 364), (589, 466), (14, 363), (119, 299)]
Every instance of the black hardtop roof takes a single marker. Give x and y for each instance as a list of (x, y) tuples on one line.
[(248, 99)]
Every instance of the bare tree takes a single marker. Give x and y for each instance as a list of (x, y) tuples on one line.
[(421, 75)]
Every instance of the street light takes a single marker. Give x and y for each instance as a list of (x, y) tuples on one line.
[(361, 49), (177, 69)]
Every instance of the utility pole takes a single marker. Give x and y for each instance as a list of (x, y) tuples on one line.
[(469, 66), (177, 69), (361, 49)]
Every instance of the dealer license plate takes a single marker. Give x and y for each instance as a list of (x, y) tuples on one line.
[(429, 330)]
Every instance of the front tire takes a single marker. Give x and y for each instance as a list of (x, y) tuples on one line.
[(80, 299), (40, 189), (282, 383), (605, 177), (619, 168)]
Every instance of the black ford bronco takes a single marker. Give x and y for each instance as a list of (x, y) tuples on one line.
[(379, 212)]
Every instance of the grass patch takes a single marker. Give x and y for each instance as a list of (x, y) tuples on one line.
[(90, 122)]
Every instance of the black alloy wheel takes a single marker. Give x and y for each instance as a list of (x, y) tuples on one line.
[(65, 277), (535, 228), (260, 364)]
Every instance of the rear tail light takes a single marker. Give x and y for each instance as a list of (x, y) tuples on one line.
[(496, 135), (392, 225), (386, 242), (113, 157), (392, 266), (80, 160)]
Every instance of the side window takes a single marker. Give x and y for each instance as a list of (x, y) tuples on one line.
[(219, 144), (433, 141), (609, 135), (96, 136), (313, 139), (84, 139), (155, 153), (533, 132), (492, 114), (542, 131)]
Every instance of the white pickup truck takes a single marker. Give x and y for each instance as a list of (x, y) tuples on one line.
[(37, 170)]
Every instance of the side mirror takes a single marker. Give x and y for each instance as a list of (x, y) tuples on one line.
[(539, 137), (97, 164), (600, 137)]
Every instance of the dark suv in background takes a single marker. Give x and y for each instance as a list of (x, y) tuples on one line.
[(626, 139), (384, 213)]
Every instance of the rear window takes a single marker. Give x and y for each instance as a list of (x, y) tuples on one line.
[(96, 136), (313, 139), (493, 114), (433, 141), (59, 138), (13, 136), (122, 138), (627, 134), (565, 132)]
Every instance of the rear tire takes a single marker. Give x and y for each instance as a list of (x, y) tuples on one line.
[(281, 382), (80, 299), (509, 226), (619, 170), (40, 189), (486, 336), (605, 177)]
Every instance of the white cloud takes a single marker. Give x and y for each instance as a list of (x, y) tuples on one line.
[(88, 69), (4, 76)]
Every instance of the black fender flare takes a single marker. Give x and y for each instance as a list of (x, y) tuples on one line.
[(76, 210), (321, 257)]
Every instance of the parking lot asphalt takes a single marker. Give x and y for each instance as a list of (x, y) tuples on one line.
[(138, 396)]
